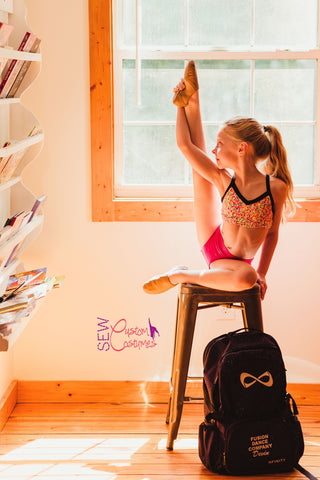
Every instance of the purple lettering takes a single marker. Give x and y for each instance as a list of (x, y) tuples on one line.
[(101, 337), (103, 324), (101, 347)]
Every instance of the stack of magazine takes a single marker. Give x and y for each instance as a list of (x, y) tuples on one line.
[(12, 226), (20, 298)]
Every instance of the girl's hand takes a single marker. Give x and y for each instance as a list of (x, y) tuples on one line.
[(181, 86), (263, 284)]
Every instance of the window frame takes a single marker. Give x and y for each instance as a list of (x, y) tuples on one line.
[(105, 205)]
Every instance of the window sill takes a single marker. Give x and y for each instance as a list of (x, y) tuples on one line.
[(180, 211)]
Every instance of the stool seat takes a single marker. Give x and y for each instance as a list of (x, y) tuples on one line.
[(192, 298)]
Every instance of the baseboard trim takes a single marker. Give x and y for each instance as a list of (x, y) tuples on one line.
[(129, 392), (8, 402)]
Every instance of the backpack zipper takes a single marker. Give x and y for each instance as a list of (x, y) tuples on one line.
[(224, 461)]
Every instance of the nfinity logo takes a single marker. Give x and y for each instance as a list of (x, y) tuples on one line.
[(120, 336)]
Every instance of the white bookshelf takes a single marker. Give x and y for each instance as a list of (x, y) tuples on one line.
[(8, 101), (16, 123), (7, 185), (21, 145), (22, 233), (15, 54)]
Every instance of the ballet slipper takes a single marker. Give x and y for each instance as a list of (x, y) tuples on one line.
[(161, 283), (181, 97)]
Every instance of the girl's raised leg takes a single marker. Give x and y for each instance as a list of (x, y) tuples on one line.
[(206, 197)]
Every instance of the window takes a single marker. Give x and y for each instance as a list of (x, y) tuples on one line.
[(249, 61)]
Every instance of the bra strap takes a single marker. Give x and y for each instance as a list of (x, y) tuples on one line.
[(269, 192), (228, 187), (268, 184)]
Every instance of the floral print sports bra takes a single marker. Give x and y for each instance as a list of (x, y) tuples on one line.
[(257, 213)]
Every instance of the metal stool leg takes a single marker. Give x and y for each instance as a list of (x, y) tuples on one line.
[(186, 324), (253, 310), (173, 359)]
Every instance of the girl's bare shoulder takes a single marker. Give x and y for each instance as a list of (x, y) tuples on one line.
[(278, 188), (225, 178)]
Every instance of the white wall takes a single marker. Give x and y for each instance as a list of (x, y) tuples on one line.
[(106, 263)]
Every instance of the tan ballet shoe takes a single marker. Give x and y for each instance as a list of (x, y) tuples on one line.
[(181, 98), (161, 283)]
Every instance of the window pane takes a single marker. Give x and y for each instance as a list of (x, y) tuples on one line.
[(210, 133), (285, 90), (224, 89), (161, 22), (158, 77), (151, 156), (128, 23), (299, 141), (219, 23), (286, 23)]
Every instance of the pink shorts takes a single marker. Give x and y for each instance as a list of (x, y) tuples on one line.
[(215, 249)]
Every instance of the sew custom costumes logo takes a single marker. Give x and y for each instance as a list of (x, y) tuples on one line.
[(120, 336)]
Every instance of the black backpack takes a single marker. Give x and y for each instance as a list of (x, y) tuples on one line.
[(251, 425)]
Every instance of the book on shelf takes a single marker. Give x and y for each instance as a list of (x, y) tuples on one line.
[(3, 63), (10, 256), (5, 32), (11, 313), (9, 163), (33, 282), (30, 43), (36, 130), (36, 205), (22, 293), (22, 72), (11, 63), (15, 223), (10, 318), (13, 305), (33, 277), (20, 219)]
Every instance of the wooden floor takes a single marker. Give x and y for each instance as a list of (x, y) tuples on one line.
[(110, 441)]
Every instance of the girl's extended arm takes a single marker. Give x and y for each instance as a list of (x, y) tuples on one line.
[(197, 158), (271, 240)]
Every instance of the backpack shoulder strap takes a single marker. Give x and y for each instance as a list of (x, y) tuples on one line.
[(305, 472)]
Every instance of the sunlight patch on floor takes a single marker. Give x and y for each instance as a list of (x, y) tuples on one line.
[(62, 449), (114, 449), (24, 470)]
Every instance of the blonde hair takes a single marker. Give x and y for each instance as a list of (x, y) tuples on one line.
[(268, 149)]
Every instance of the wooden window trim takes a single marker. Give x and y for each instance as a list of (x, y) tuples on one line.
[(105, 207)]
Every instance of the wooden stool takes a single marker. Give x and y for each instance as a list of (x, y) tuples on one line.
[(191, 299)]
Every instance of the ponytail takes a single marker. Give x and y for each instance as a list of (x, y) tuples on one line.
[(277, 165)]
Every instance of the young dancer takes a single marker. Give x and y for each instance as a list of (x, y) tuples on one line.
[(235, 214)]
